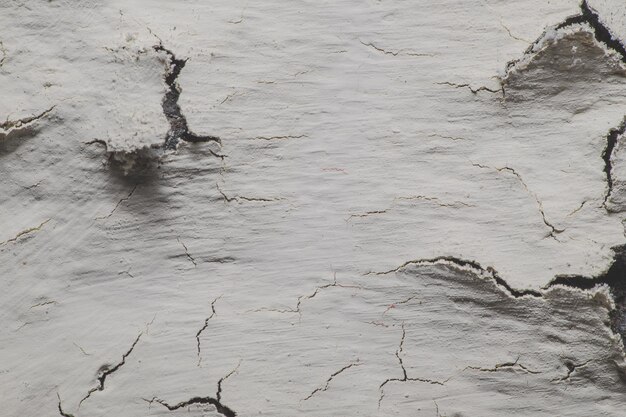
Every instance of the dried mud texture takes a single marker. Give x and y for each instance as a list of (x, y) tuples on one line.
[(313, 209)]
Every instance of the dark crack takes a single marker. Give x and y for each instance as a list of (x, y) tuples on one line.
[(587, 15), (614, 278), (105, 370), (203, 328), (505, 365), (571, 368), (328, 381), (301, 298), (332, 376), (239, 198), (60, 407), (601, 32), (218, 394), (19, 123), (473, 90), (191, 258), (219, 407), (611, 142), (405, 376), (214, 401), (179, 129), (472, 265), (268, 138)]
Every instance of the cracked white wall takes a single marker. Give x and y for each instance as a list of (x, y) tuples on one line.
[(363, 211)]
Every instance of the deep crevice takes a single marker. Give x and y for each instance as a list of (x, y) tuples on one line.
[(214, 401), (219, 407), (464, 263), (614, 278), (60, 407), (105, 371), (611, 142), (179, 129), (601, 32)]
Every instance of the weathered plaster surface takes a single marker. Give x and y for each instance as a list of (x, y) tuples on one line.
[(312, 208)]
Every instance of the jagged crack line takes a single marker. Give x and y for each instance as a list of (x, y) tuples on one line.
[(464, 264), (332, 376), (317, 290), (219, 407), (553, 229), (204, 327), (571, 368), (601, 32), (218, 394), (16, 124), (473, 90), (614, 278), (239, 198), (393, 53), (60, 407), (122, 200), (405, 377), (214, 401), (108, 371), (506, 365), (25, 232), (179, 129), (611, 142), (191, 258)]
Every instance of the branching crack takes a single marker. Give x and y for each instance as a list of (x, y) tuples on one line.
[(105, 370), (554, 231), (571, 368), (25, 232), (4, 53), (219, 407), (308, 297), (179, 129), (214, 401), (203, 328), (405, 377), (332, 376), (122, 200)]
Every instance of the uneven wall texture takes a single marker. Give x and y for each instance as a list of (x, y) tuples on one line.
[(312, 208)]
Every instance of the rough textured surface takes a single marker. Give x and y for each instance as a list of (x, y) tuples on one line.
[(312, 208)]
